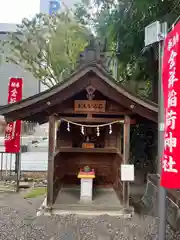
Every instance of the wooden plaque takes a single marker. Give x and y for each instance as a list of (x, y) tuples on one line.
[(89, 106)]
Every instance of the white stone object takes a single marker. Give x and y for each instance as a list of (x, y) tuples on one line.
[(127, 172), (86, 189)]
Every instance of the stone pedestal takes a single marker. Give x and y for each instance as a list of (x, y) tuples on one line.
[(86, 186), (86, 189)]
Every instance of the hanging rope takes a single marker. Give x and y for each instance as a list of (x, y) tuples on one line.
[(92, 126)]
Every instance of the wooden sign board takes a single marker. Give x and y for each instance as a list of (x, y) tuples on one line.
[(89, 106)]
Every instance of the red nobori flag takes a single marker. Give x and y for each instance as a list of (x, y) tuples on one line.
[(170, 175), (13, 130)]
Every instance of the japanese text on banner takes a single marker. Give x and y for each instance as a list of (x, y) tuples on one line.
[(171, 91), (13, 129)]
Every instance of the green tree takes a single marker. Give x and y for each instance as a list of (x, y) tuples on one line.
[(128, 32), (123, 23), (48, 46)]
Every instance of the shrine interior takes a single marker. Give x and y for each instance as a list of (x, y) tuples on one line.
[(103, 155)]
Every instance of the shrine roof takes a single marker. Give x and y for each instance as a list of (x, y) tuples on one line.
[(91, 67), (40, 102)]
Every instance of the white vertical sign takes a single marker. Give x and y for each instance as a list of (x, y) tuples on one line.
[(152, 33), (127, 172)]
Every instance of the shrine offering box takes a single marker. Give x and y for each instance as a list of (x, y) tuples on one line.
[(88, 145)]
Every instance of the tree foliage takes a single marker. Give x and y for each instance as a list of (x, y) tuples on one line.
[(123, 23), (48, 46)]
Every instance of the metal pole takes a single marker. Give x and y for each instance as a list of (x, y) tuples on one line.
[(161, 191), (6, 163), (10, 170), (18, 164), (1, 166)]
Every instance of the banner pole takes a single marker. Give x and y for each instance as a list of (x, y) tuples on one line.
[(161, 191), (18, 168)]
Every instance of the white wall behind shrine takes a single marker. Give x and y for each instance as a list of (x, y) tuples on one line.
[(30, 161), (7, 70)]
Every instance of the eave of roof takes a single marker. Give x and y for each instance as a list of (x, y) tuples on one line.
[(80, 72)]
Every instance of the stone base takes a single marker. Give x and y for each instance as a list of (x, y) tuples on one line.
[(85, 200), (105, 201), (91, 210), (86, 190)]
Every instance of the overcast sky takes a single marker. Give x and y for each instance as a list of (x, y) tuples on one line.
[(13, 11)]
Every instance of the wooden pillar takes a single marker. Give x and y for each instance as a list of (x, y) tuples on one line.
[(119, 144), (126, 155), (51, 153)]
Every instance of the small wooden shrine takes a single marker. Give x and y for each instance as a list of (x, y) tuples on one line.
[(89, 117)]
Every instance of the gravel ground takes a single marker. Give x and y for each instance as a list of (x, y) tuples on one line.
[(18, 221)]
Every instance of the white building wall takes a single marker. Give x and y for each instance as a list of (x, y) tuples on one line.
[(8, 27), (8, 70), (30, 84)]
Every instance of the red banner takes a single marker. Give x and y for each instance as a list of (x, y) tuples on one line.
[(13, 130), (170, 176)]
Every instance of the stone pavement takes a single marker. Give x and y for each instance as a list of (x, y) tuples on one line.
[(18, 221)]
